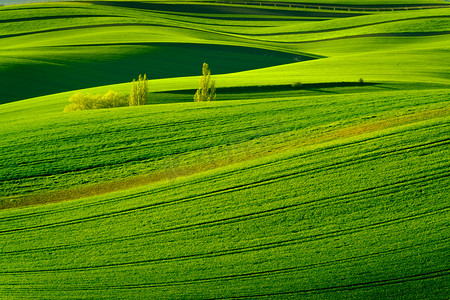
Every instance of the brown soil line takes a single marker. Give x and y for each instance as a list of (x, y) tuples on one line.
[(105, 188), (380, 125), (141, 180)]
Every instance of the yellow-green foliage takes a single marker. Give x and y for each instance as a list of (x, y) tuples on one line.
[(139, 91), (81, 101), (207, 89)]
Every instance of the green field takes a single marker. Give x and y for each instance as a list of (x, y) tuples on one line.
[(337, 188)]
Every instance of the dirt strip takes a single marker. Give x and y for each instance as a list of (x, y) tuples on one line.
[(141, 180)]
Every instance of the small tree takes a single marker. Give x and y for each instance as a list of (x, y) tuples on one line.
[(207, 89), (139, 91), (133, 94)]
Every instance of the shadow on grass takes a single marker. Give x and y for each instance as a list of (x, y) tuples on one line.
[(86, 66), (267, 91), (279, 88), (220, 9)]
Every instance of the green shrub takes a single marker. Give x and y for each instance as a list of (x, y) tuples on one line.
[(297, 85), (112, 99), (81, 101)]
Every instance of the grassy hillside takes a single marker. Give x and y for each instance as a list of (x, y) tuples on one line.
[(355, 211), (78, 151), (332, 190)]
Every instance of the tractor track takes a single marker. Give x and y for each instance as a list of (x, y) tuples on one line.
[(398, 280), (346, 198), (291, 175), (241, 250), (148, 193), (258, 274)]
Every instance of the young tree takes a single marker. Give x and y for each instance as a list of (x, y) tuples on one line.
[(133, 94), (207, 89), (139, 91)]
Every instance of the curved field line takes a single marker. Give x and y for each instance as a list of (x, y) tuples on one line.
[(394, 34), (241, 250), (220, 9), (55, 18), (320, 6), (227, 34), (357, 196), (341, 28), (398, 280), (159, 190), (165, 142), (386, 189), (22, 8), (273, 272), (341, 133), (295, 174), (148, 193), (95, 26)]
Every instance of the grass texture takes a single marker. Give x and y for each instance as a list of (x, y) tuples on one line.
[(335, 190), (360, 215)]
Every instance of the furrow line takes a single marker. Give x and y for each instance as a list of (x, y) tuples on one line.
[(148, 144), (242, 250), (59, 17), (342, 28), (266, 273), (358, 36), (147, 193), (358, 195), (256, 184), (398, 280)]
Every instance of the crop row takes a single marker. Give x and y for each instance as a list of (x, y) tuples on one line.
[(305, 221), (129, 143)]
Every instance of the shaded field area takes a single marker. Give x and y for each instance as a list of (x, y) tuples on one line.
[(158, 60), (296, 89), (41, 46), (341, 5), (219, 9)]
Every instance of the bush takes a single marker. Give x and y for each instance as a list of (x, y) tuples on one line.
[(297, 85), (112, 99), (361, 81), (81, 101)]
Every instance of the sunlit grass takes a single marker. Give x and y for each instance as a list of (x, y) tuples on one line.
[(320, 172)]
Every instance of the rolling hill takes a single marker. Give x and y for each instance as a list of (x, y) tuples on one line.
[(337, 188)]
